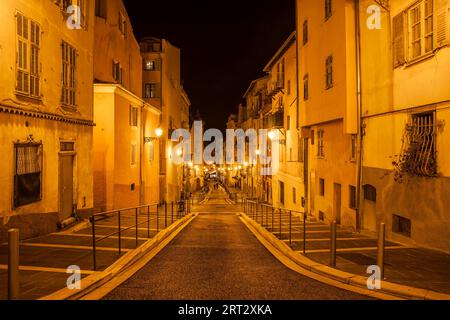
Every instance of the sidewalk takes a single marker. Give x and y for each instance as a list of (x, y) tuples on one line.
[(405, 265), (44, 260)]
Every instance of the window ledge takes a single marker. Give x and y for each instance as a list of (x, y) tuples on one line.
[(419, 59), (24, 96)]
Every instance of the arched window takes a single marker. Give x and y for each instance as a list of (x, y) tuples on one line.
[(370, 193)]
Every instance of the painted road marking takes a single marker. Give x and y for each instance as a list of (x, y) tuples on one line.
[(45, 269), (97, 236), (328, 239), (356, 249), (125, 227), (63, 246)]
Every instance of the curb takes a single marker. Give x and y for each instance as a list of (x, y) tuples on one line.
[(389, 288), (123, 264)]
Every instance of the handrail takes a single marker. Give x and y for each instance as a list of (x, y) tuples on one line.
[(183, 208), (269, 213)]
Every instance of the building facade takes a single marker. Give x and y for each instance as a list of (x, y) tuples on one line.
[(46, 114), (281, 117), (163, 88), (328, 107), (126, 147), (405, 116)]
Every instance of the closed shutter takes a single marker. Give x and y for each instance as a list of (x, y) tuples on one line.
[(441, 23), (398, 46)]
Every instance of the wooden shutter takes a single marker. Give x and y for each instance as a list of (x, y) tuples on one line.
[(398, 46), (441, 23)]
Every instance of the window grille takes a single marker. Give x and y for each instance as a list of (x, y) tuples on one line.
[(418, 156)]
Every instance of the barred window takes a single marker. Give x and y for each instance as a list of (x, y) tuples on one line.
[(28, 56), (27, 176), (418, 155), (69, 56)]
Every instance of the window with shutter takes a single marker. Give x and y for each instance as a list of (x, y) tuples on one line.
[(441, 23), (68, 81), (399, 39), (28, 60)]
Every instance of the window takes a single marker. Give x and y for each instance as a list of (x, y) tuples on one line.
[(69, 56), (152, 91), (354, 142), (27, 177), (421, 28), (294, 195), (370, 193), (281, 192), (151, 65), (288, 123), (281, 74), (133, 154), (67, 146), (306, 87), (312, 137), (81, 4), (117, 72), (301, 154), (401, 225), (122, 24), (28, 57), (352, 200), (322, 187), (328, 9), (329, 72), (289, 87), (151, 151), (320, 143), (100, 8), (418, 156), (134, 116), (305, 32)]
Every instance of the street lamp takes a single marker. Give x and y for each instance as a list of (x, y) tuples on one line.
[(159, 132)]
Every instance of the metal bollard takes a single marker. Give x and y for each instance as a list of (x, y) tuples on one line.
[(304, 232), (13, 264), (381, 245), (333, 245)]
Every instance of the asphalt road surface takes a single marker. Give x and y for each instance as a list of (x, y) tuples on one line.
[(217, 258)]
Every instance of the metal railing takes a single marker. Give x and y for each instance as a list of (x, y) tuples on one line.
[(160, 214), (278, 221)]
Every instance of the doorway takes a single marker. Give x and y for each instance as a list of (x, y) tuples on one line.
[(66, 186), (337, 203)]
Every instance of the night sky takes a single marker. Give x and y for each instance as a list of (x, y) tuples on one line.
[(224, 45)]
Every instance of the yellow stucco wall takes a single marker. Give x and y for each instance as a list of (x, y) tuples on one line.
[(14, 127)]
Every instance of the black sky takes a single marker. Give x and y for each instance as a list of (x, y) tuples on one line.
[(224, 44)]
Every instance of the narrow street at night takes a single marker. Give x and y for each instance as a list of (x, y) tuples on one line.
[(217, 258), (225, 158)]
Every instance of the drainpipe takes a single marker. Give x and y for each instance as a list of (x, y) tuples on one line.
[(305, 140), (359, 119), (141, 156)]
